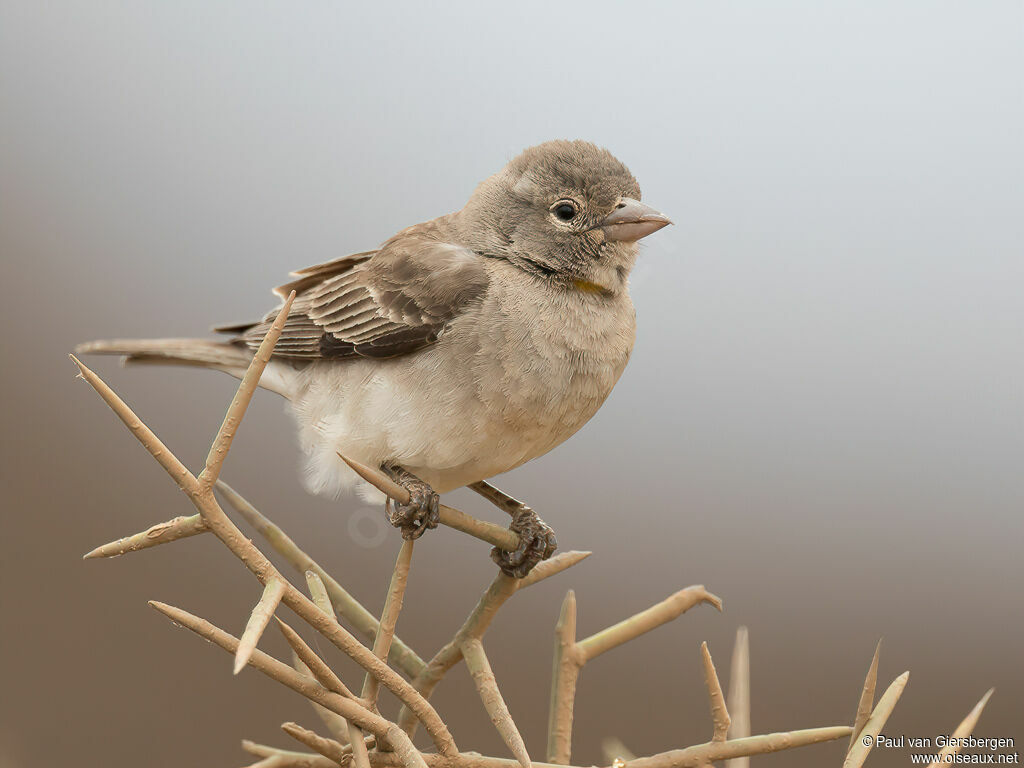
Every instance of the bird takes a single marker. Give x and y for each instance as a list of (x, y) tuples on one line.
[(462, 347)]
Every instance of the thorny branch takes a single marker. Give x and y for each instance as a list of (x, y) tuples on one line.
[(389, 744)]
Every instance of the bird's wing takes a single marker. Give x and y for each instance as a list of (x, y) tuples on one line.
[(377, 304)]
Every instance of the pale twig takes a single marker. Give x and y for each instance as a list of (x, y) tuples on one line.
[(739, 694), (752, 745), (243, 395), (344, 603), (866, 738), (354, 736), (317, 667), (571, 655), (483, 678), (566, 670), (476, 624), (329, 748), (679, 758), (258, 621), (495, 535), (283, 758), (719, 712), (280, 672), (660, 613), (161, 533), (867, 698), (350, 709), (386, 632), (965, 729), (335, 723), (389, 616), (263, 569)]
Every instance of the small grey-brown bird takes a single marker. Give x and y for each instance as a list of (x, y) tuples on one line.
[(463, 346)]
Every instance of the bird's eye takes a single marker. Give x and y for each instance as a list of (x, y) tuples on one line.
[(565, 210)]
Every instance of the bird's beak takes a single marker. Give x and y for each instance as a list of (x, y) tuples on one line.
[(632, 220)]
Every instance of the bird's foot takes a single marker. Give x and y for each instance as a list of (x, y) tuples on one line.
[(536, 542), (420, 512)]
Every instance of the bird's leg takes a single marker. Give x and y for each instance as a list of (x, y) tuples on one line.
[(420, 512), (536, 539)]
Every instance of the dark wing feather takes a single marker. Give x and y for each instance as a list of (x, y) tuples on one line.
[(379, 304)]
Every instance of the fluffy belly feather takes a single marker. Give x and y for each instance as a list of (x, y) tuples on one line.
[(480, 402)]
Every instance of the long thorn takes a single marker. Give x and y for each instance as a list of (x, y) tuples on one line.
[(317, 667), (867, 698), (318, 593), (327, 747), (261, 615), (180, 474), (242, 398), (494, 703), (161, 533), (402, 656), (866, 739), (378, 479), (965, 729), (281, 672), (336, 724), (739, 694), (719, 712), (493, 534)]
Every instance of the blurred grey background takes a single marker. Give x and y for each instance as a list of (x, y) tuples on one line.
[(822, 421)]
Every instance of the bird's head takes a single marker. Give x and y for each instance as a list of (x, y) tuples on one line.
[(565, 209)]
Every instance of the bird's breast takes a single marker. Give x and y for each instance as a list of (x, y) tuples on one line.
[(546, 360)]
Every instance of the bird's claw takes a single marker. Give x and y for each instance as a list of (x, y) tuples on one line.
[(536, 542), (421, 512)]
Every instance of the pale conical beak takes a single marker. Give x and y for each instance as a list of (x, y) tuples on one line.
[(632, 220)]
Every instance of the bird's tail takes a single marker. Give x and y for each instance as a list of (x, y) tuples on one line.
[(231, 358)]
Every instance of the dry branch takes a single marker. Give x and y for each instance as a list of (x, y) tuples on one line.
[(483, 678), (204, 501), (335, 723), (275, 758), (571, 655), (329, 748), (283, 758), (495, 535), (280, 672), (565, 672), (344, 603), (389, 616), (348, 716), (476, 624)]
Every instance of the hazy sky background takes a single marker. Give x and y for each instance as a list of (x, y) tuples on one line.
[(822, 420)]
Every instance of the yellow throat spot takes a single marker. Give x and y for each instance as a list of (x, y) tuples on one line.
[(588, 287)]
